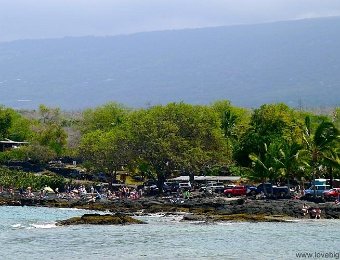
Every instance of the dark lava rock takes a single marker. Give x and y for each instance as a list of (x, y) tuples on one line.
[(98, 219), (193, 217)]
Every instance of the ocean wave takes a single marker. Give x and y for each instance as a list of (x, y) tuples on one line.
[(71, 209), (17, 225), (229, 223), (44, 226)]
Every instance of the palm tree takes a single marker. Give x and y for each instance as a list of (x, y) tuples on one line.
[(332, 161), (264, 166), (319, 144), (288, 160), (228, 124)]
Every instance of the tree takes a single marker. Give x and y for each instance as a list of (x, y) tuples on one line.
[(234, 122), (331, 159), (48, 131), (5, 122), (228, 125), (38, 153), (336, 117), (103, 118), (320, 144), (288, 160), (13, 125), (48, 115), (52, 136), (269, 123), (177, 137), (264, 165), (106, 151), (20, 129)]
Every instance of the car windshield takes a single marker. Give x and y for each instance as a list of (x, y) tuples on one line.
[(319, 187), (322, 188)]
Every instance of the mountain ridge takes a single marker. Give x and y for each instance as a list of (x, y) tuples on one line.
[(247, 64)]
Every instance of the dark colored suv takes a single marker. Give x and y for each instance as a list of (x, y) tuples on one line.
[(150, 187), (169, 187)]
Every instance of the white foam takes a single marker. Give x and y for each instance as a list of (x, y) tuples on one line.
[(71, 209), (228, 223), (16, 225), (44, 226), (155, 215)]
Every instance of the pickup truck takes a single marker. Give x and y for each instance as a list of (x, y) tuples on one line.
[(236, 191), (332, 194), (150, 187), (184, 186), (272, 190), (319, 190), (217, 187)]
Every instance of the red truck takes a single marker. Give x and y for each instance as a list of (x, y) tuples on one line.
[(332, 194), (236, 191)]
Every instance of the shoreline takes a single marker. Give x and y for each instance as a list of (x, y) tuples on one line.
[(208, 209)]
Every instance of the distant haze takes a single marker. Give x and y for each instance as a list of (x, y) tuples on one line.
[(296, 62), (23, 19)]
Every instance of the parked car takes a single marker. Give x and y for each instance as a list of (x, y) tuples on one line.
[(272, 190), (236, 191), (184, 186), (217, 187), (150, 187), (332, 194), (169, 187), (319, 190)]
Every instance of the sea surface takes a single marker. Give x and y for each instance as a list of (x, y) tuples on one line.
[(31, 233)]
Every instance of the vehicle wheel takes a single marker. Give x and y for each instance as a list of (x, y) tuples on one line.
[(228, 195)]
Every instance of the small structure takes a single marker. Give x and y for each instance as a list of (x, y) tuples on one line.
[(8, 144)]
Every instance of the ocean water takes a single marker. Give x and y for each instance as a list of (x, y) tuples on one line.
[(30, 233)]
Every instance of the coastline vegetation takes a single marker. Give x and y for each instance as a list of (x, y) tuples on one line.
[(271, 143), (20, 179)]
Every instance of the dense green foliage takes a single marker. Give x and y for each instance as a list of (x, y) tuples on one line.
[(271, 143), (178, 137), (20, 179), (13, 125)]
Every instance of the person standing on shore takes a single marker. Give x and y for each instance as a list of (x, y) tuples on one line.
[(304, 209)]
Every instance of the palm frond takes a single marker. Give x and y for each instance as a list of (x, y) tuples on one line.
[(325, 134)]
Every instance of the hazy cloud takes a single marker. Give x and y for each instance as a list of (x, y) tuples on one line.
[(57, 18)]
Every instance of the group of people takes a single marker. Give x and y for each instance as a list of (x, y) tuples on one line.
[(96, 193), (124, 193), (314, 213), (79, 192)]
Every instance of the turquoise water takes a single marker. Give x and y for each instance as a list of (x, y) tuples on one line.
[(30, 233)]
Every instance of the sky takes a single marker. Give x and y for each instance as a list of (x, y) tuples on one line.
[(29, 19)]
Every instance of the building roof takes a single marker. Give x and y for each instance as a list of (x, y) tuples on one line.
[(8, 141)]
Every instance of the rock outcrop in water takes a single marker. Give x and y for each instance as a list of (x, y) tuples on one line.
[(98, 219), (203, 206), (235, 218)]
